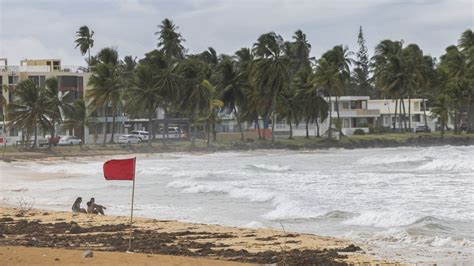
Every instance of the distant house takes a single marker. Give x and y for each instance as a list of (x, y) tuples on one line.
[(415, 110), (353, 112)]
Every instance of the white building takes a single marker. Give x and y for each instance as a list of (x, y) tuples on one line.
[(354, 113), (416, 110)]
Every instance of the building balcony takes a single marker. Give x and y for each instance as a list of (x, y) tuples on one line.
[(357, 113), (44, 69)]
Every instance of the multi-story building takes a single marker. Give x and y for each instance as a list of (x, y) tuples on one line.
[(72, 83), (354, 113), (416, 111)]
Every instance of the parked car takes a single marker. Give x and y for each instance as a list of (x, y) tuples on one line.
[(129, 139), (141, 134), (422, 128), (46, 141), (173, 133), (69, 140)]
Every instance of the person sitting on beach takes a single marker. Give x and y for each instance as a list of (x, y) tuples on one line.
[(95, 208), (76, 207)]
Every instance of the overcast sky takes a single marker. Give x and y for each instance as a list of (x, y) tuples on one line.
[(46, 29)]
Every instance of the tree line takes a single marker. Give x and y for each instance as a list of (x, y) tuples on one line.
[(272, 80)]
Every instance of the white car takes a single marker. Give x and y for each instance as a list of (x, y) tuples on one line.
[(129, 139), (69, 140), (173, 133), (141, 134)]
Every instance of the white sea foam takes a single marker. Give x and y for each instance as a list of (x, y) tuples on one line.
[(383, 219), (270, 167)]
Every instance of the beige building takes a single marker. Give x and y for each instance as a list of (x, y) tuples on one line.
[(71, 79)]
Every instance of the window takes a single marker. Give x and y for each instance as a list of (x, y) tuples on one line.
[(13, 80), (37, 80), (416, 118), (345, 105)]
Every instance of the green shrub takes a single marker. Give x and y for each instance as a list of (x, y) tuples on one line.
[(359, 132)]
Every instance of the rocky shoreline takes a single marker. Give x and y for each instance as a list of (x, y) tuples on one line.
[(62, 230)]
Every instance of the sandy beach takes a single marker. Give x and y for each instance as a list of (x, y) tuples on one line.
[(46, 237)]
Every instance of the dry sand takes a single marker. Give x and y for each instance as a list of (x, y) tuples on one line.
[(65, 233)]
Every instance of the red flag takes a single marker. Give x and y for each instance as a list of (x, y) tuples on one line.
[(120, 169)]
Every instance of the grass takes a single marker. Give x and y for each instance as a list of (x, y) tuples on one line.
[(225, 141)]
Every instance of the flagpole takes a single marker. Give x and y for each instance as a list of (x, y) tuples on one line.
[(131, 210)]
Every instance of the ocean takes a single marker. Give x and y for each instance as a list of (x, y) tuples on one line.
[(413, 205)]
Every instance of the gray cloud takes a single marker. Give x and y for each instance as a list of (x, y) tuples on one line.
[(40, 29)]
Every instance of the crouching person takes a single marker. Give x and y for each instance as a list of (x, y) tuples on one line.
[(76, 207), (95, 208)]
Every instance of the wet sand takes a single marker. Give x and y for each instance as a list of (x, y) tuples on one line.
[(65, 236)]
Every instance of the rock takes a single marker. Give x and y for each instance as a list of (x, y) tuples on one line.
[(56, 259), (88, 254)]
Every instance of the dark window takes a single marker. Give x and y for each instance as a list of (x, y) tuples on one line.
[(13, 79), (37, 80)]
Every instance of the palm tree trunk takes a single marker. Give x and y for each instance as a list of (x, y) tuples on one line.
[(424, 113), (53, 132), (150, 126), (113, 127), (339, 118), (214, 131), (166, 125), (36, 133), (409, 113), (89, 63), (258, 128), (291, 129), (265, 119), (400, 114), (273, 117), (395, 115), (106, 125), (239, 124), (443, 123), (307, 128), (404, 115), (317, 127), (330, 116)]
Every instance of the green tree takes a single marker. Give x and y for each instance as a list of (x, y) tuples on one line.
[(211, 113), (361, 70), (142, 97), (170, 41), (84, 41), (76, 117), (106, 88), (271, 71), (29, 109), (232, 83), (56, 105), (440, 110)]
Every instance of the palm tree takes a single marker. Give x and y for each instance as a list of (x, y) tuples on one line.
[(194, 96), (231, 82), (327, 78), (466, 41), (211, 114), (170, 41), (456, 67), (76, 117), (56, 105), (271, 72), (142, 97), (441, 110), (84, 41), (106, 87), (29, 109), (390, 72)]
